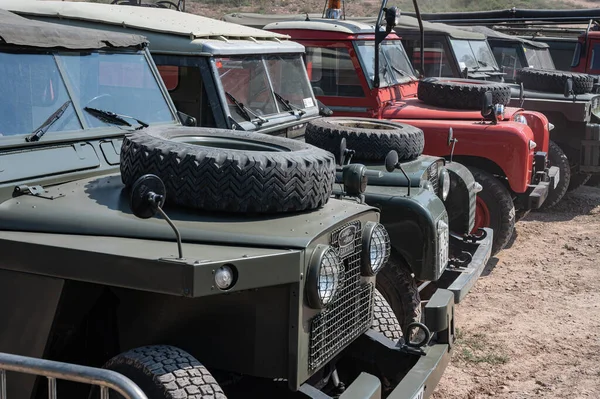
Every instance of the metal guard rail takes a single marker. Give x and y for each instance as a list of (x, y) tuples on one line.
[(105, 379)]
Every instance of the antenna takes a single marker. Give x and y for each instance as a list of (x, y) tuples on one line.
[(148, 195), (391, 164)]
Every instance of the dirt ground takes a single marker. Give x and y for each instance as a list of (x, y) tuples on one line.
[(531, 325)]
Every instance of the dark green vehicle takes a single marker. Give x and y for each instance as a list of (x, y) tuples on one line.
[(257, 283), (234, 77)]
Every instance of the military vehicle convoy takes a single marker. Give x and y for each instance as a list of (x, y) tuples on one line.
[(258, 282)]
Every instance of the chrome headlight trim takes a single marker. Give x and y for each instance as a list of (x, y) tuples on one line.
[(325, 276), (376, 248), (444, 183)]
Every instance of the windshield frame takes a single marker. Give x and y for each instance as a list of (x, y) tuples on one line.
[(86, 131), (282, 115), (492, 65), (383, 63)]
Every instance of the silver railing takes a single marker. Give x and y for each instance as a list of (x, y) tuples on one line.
[(105, 379)]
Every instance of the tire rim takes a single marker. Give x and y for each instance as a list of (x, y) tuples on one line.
[(482, 215), (365, 125)]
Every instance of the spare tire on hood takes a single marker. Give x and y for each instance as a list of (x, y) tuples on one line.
[(230, 171), (553, 81), (461, 93), (371, 139)]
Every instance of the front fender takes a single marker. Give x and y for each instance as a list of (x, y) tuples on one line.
[(506, 144), (538, 123), (411, 223)]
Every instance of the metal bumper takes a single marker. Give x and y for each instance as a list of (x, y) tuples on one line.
[(425, 368), (470, 255), (536, 194)]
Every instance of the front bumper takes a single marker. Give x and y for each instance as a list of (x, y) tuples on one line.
[(469, 254), (423, 370), (536, 194)]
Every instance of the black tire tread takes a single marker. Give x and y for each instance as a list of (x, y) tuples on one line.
[(499, 202), (557, 157), (384, 320), (163, 371), (461, 93), (237, 181), (368, 144), (397, 285), (553, 81)]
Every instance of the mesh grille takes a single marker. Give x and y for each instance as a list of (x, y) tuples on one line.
[(351, 312), (432, 172)]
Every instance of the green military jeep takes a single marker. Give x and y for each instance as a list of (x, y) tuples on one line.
[(256, 270), (234, 77)]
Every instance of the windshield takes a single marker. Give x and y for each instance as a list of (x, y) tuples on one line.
[(539, 58), (34, 88), (255, 81), (394, 65), (473, 54)]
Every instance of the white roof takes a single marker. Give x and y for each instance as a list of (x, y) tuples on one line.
[(323, 24), (146, 18)]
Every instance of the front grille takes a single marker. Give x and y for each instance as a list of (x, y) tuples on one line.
[(351, 312), (432, 172)]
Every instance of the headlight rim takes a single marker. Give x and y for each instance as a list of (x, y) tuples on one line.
[(366, 268), (444, 180), (312, 289)]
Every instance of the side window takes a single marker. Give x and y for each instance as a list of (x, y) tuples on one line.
[(332, 72), (595, 57), (435, 58), (508, 60)]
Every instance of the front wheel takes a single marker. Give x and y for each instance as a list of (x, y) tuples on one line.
[(494, 208), (557, 157), (165, 372)]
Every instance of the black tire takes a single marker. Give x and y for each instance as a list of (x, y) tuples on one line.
[(557, 157), (258, 173), (371, 139), (500, 206), (399, 288), (461, 93), (165, 372), (384, 320), (553, 81)]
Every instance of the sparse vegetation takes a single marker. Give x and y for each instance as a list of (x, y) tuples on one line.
[(476, 348)]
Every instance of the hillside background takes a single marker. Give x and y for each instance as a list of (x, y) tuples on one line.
[(217, 8)]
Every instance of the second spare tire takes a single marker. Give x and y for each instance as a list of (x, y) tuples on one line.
[(461, 93), (553, 81), (371, 139), (230, 171)]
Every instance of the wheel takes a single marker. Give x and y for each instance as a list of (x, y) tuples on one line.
[(371, 139), (384, 320), (461, 93), (553, 81), (165, 372), (399, 288), (557, 157), (230, 171), (494, 208)]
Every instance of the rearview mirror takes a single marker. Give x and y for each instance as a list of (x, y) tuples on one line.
[(392, 15), (486, 107), (568, 87)]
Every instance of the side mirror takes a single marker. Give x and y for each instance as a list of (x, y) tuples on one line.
[(392, 15), (568, 87), (450, 137), (342, 153), (323, 109), (486, 107), (148, 194), (391, 161), (187, 120)]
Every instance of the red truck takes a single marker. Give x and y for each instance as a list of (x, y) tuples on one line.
[(506, 150)]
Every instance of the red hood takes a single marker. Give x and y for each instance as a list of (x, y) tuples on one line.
[(413, 108)]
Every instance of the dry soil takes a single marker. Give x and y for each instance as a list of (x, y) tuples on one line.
[(531, 325)]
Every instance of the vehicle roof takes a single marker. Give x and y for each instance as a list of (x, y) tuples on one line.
[(19, 31), (148, 18), (490, 33), (349, 25)]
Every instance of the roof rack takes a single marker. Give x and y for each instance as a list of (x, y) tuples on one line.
[(180, 6)]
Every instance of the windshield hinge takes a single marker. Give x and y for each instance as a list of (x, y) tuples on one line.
[(36, 191)]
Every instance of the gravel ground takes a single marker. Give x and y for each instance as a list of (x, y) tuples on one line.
[(531, 325)]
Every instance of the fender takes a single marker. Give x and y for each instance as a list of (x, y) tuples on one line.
[(538, 123), (411, 226)]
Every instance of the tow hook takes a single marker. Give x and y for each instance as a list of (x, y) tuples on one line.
[(464, 259), (414, 348), (472, 238)]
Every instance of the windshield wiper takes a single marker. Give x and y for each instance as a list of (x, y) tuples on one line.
[(290, 107), (483, 63), (245, 111), (115, 119), (40, 131)]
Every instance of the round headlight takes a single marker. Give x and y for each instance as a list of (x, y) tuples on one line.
[(376, 248), (445, 183), (224, 277), (520, 118), (324, 276)]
